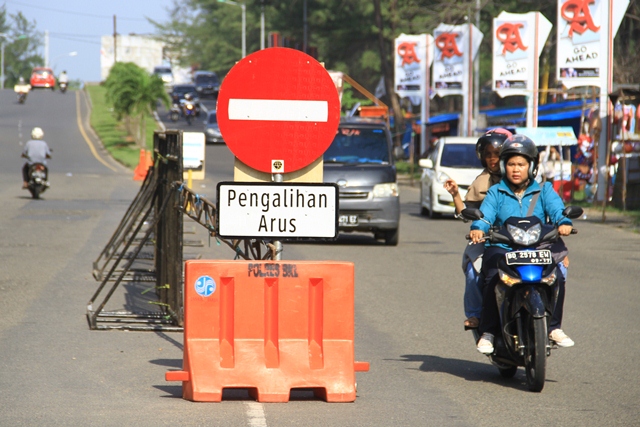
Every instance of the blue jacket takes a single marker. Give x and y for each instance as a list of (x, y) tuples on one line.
[(501, 203)]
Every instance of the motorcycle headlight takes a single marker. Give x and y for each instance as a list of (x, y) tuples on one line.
[(389, 189), (550, 279), (508, 279), (525, 237)]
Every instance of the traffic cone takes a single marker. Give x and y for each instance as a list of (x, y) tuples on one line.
[(149, 160), (140, 172)]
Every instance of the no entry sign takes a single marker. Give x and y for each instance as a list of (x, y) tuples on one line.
[(278, 110)]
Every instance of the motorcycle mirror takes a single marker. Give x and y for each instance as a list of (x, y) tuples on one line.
[(472, 214), (572, 212)]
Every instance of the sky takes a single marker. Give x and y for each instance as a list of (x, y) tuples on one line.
[(77, 25)]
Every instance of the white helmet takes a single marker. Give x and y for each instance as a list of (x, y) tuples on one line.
[(37, 133)]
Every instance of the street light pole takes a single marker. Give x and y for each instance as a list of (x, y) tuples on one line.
[(244, 23)]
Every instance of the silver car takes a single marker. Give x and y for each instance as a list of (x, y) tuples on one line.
[(360, 161)]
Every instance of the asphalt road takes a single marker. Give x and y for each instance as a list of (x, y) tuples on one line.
[(425, 370)]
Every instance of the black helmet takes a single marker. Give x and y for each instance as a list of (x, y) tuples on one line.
[(520, 145), (495, 137)]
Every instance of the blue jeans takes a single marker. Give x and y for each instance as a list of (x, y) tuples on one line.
[(472, 292)]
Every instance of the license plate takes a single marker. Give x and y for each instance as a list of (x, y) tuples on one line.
[(348, 220), (542, 256)]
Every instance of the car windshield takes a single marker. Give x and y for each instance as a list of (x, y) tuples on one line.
[(354, 145), (460, 156), (184, 89), (43, 73), (207, 79), (162, 71), (213, 118)]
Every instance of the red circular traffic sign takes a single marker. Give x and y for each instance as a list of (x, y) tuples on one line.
[(278, 107)]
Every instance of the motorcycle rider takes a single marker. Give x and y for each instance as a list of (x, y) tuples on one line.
[(488, 151), (62, 78), (35, 150), (512, 197)]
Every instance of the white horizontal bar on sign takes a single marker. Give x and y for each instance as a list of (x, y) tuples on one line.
[(278, 110)]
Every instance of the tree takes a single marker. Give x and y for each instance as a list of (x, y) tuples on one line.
[(134, 94), (21, 46)]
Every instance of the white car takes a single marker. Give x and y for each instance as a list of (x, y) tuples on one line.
[(452, 157)]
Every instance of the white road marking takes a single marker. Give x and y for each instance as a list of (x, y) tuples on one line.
[(255, 414), (278, 110)]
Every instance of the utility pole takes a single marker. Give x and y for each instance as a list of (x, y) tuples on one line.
[(262, 24), (476, 75), (305, 26), (46, 48), (115, 41)]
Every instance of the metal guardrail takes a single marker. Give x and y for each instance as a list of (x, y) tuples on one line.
[(205, 213)]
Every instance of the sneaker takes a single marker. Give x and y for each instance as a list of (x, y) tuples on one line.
[(485, 344), (560, 338)]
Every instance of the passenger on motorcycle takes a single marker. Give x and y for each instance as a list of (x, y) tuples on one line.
[(512, 197), (35, 151), (488, 151)]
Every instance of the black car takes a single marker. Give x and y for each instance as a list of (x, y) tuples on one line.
[(207, 83), (211, 129), (179, 91)]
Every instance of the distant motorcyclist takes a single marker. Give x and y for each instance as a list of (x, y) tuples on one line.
[(62, 78), (35, 150), (22, 88)]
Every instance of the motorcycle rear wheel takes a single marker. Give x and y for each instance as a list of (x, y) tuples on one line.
[(35, 191), (535, 361)]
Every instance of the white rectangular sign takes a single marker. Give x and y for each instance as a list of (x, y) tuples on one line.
[(193, 147), (288, 211)]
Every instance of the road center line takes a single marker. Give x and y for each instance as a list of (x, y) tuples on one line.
[(278, 110), (255, 414)]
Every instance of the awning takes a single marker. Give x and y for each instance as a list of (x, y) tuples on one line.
[(556, 135)]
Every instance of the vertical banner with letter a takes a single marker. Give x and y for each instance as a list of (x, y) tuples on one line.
[(518, 39)]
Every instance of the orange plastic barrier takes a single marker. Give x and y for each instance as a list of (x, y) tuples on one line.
[(268, 327), (140, 172)]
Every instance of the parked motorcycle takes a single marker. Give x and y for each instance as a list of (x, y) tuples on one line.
[(526, 294), (38, 183), (63, 86)]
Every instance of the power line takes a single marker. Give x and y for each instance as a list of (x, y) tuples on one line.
[(67, 12)]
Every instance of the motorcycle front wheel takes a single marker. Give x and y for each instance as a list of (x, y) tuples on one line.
[(535, 362)]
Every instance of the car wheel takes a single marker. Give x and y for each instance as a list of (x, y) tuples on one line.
[(391, 237)]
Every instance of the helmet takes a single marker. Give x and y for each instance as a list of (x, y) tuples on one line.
[(37, 133), (21, 79), (520, 145), (495, 137), (188, 97)]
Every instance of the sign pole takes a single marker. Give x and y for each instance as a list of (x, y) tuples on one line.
[(277, 177)]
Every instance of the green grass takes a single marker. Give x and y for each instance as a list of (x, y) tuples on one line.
[(404, 168), (112, 132)]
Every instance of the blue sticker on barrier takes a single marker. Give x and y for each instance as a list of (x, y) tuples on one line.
[(205, 286)]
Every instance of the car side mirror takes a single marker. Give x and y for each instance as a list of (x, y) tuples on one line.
[(425, 163), (398, 152)]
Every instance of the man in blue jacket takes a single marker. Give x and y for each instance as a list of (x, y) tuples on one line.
[(512, 197)]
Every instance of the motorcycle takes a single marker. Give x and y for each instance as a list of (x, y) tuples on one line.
[(37, 183), (63, 86), (189, 112), (526, 293), (174, 113), (21, 91)]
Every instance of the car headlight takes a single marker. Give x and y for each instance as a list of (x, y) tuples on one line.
[(442, 177), (389, 189), (525, 237), (508, 279)]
